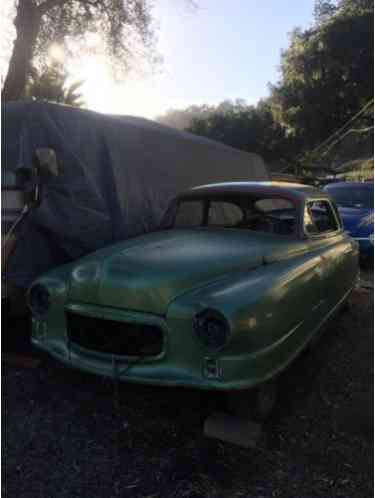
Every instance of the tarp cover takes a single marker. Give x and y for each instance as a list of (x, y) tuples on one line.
[(117, 175)]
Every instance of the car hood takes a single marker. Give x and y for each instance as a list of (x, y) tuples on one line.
[(148, 272), (357, 221)]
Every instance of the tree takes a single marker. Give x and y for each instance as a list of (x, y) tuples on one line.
[(250, 128), (327, 72), (182, 118), (71, 96), (51, 85), (323, 10), (124, 25)]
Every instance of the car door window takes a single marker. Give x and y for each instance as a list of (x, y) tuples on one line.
[(189, 214), (281, 212), (319, 218), (222, 213)]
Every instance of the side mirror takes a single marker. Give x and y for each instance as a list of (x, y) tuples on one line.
[(27, 182), (31, 180), (46, 163)]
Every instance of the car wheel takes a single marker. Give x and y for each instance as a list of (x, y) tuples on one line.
[(255, 404)]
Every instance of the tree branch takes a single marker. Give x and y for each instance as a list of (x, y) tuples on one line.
[(48, 5)]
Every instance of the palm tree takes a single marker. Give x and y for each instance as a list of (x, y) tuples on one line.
[(50, 85)]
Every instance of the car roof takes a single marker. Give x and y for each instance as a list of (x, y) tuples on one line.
[(284, 189), (349, 184)]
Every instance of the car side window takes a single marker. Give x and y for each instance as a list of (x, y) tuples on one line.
[(319, 218), (279, 213), (272, 204), (223, 213), (189, 214)]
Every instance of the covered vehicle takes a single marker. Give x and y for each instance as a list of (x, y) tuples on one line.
[(355, 202), (89, 180), (239, 278)]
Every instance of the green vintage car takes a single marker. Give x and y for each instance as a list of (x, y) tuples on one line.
[(237, 281)]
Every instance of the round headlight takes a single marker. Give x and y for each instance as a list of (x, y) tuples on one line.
[(212, 329), (39, 299)]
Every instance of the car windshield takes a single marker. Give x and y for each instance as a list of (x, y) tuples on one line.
[(353, 196), (263, 214)]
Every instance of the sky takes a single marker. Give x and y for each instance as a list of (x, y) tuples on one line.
[(220, 50)]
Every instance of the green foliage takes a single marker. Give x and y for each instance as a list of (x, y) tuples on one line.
[(51, 85), (237, 124), (323, 9), (327, 71), (326, 78), (182, 118), (362, 171), (124, 26)]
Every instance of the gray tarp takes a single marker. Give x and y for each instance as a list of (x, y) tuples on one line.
[(118, 174)]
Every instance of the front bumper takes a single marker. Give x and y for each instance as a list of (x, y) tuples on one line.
[(230, 371), (183, 361)]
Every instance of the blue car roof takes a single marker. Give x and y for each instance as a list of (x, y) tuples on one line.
[(369, 185)]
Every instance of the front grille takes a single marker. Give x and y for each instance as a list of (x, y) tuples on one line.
[(112, 337)]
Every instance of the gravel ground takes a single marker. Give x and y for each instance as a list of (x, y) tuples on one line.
[(65, 434)]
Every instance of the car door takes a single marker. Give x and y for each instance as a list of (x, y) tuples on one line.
[(337, 252)]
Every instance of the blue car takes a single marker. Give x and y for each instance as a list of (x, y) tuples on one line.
[(355, 202)]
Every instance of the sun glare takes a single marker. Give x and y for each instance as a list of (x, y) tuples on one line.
[(56, 52), (102, 94)]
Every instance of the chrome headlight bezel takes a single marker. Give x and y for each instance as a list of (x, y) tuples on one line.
[(212, 329)]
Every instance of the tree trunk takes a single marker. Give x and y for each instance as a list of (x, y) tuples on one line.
[(27, 23)]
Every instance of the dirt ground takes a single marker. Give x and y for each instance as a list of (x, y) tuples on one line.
[(64, 434)]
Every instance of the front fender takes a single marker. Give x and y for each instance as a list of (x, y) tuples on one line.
[(262, 306), (57, 282)]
